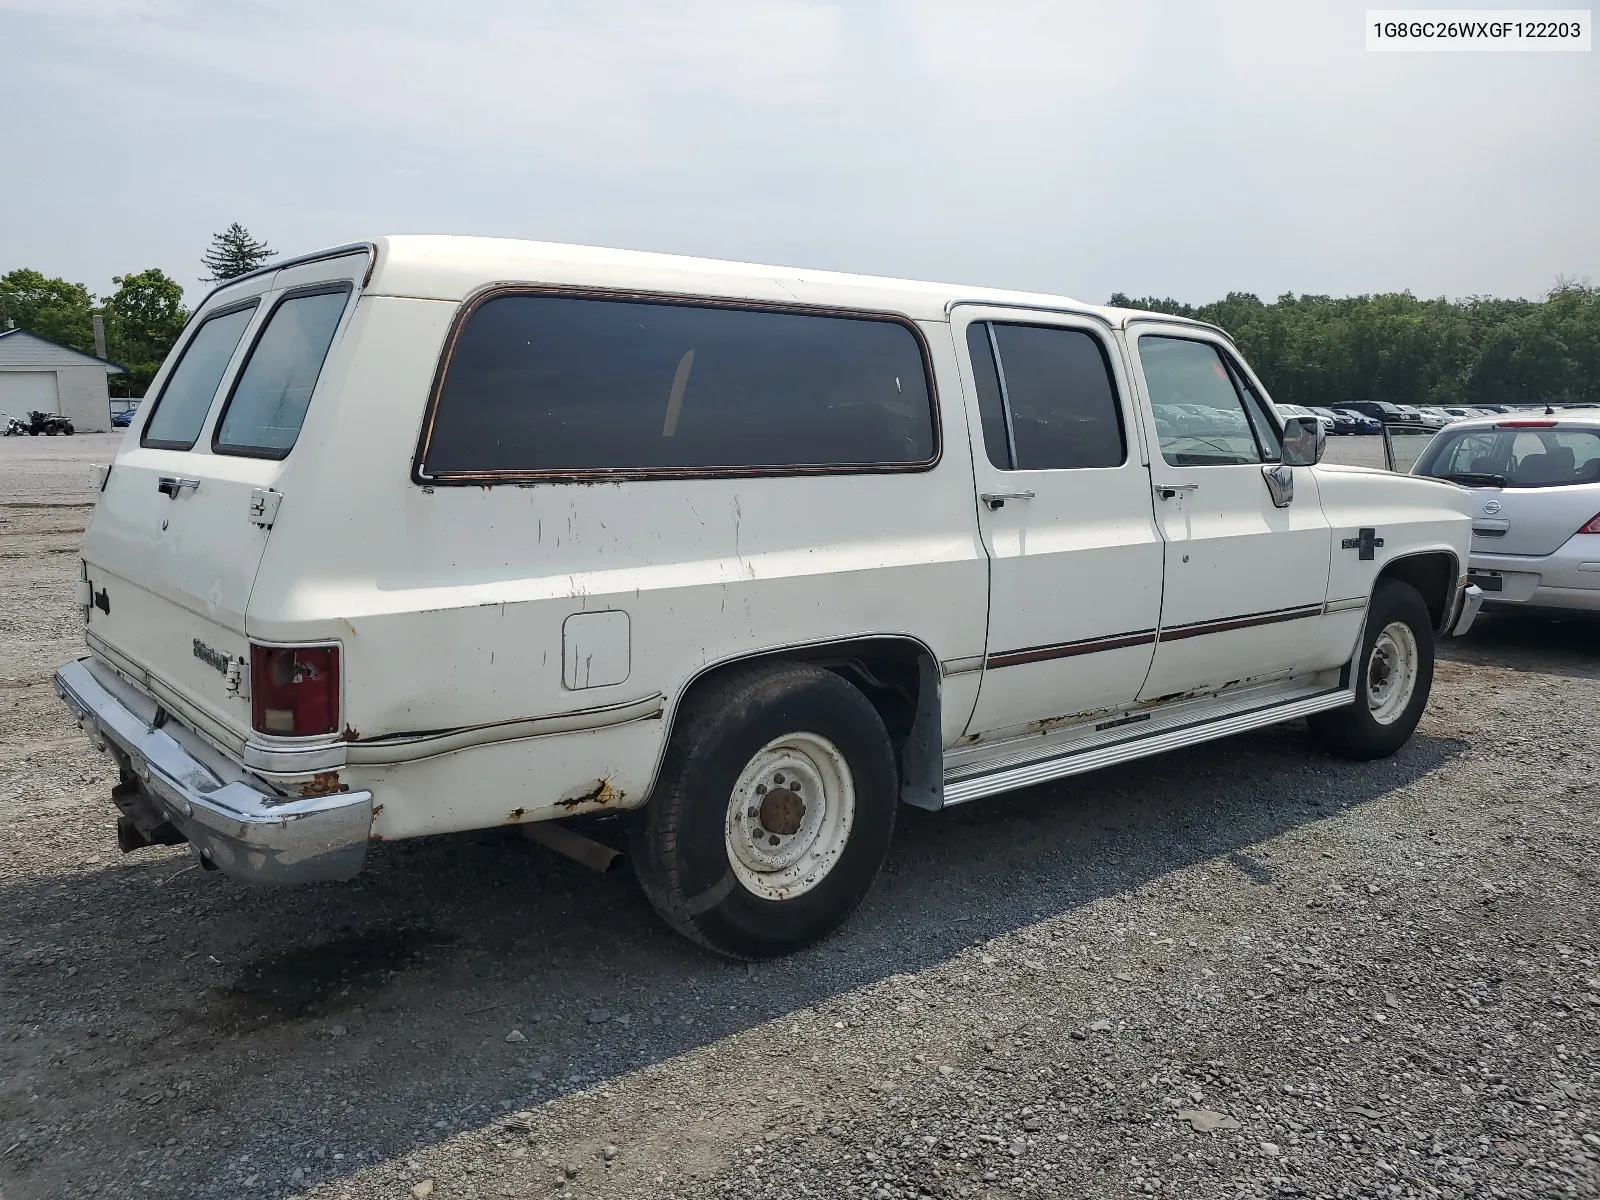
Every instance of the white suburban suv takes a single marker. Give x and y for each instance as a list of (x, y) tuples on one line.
[(437, 534)]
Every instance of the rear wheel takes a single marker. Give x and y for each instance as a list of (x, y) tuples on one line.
[(1392, 677), (773, 812)]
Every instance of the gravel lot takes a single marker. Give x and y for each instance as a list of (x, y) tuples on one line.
[(1241, 970)]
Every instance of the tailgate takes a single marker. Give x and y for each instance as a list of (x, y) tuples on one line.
[(177, 537)]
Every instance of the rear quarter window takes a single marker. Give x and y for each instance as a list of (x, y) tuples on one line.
[(537, 385)]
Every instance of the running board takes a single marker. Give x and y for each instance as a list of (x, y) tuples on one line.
[(1011, 778)]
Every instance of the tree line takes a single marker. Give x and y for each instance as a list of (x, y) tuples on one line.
[(143, 316), (1322, 350)]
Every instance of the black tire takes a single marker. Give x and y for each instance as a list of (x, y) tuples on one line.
[(33, 433), (680, 843), (1356, 731), (67, 429)]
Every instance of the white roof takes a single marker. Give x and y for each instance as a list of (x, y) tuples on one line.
[(452, 268), (24, 350)]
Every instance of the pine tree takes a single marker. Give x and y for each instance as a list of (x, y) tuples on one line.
[(233, 252)]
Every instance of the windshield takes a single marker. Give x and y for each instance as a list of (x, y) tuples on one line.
[(1518, 458)]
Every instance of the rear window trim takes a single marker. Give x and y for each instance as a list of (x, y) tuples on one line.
[(628, 474), (326, 288), (226, 310)]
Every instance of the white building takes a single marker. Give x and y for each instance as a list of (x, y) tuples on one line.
[(36, 373)]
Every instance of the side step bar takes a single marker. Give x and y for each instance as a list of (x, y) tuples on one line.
[(1076, 763)]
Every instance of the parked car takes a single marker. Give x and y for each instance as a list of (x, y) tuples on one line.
[(124, 418), (1379, 410), (442, 534), (1341, 424), (1494, 409), (1363, 423), (49, 424), (1535, 485), (1415, 416), (1440, 416), (1459, 412), (1300, 410)]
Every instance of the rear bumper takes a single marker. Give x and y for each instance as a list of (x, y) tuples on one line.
[(1568, 578), (232, 819)]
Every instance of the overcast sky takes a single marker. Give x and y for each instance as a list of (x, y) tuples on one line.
[(1180, 149)]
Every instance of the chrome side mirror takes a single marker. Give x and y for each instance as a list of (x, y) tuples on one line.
[(1304, 441)]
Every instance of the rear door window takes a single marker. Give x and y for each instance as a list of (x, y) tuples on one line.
[(180, 410), (540, 385), (1048, 402), (263, 416)]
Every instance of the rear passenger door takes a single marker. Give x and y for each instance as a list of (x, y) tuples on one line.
[(1066, 514)]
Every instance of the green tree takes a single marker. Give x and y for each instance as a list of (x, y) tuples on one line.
[(52, 308), (233, 252), (144, 317)]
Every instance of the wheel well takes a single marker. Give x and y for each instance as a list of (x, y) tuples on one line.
[(898, 676), (1434, 575)]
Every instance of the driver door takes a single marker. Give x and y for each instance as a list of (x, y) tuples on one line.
[(1246, 573)]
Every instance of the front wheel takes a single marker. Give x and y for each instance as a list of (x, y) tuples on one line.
[(773, 812), (1392, 676)]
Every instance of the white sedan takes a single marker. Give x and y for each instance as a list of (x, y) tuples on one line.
[(1536, 511)]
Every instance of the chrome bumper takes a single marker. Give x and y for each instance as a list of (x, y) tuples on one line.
[(250, 832), (1468, 603)]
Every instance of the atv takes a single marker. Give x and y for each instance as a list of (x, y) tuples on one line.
[(49, 424)]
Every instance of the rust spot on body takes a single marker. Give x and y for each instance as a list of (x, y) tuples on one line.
[(601, 793), (516, 815), (323, 783), (351, 734)]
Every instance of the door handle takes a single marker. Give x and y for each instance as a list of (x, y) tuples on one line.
[(171, 485), (997, 500), (1168, 490)]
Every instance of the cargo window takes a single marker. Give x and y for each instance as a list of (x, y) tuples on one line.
[(1057, 405), (180, 410), (263, 416), (540, 385)]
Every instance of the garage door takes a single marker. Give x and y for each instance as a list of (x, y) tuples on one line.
[(21, 392)]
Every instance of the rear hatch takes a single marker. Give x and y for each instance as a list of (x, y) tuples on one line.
[(183, 518), (1535, 482)]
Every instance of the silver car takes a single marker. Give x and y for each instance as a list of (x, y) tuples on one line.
[(1536, 517)]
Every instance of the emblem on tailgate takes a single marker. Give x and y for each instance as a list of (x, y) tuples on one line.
[(212, 658)]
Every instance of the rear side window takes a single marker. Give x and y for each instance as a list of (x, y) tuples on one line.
[(1048, 401), (180, 410), (263, 416), (559, 385)]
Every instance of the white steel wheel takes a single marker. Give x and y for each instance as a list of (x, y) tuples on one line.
[(1392, 672), (789, 816)]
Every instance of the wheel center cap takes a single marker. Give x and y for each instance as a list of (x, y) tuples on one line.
[(782, 811)]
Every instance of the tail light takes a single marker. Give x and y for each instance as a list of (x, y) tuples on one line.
[(1593, 526), (294, 690), (1524, 424)]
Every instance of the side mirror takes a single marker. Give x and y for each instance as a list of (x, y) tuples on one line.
[(1304, 441)]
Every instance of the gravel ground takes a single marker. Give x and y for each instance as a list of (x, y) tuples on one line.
[(1241, 970)]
